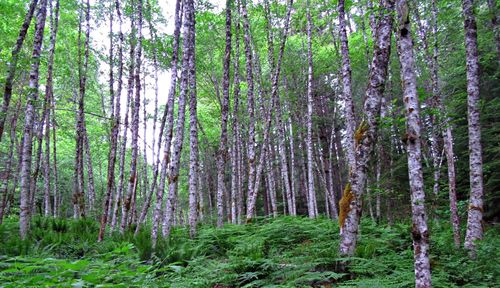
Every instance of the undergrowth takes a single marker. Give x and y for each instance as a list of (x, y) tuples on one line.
[(281, 252)]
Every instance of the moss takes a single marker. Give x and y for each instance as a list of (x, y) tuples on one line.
[(345, 204), (360, 132)]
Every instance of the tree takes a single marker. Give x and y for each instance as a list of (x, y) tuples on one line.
[(420, 232), (25, 214), (222, 155), (474, 230), (366, 133), (174, 168), (7, 95)]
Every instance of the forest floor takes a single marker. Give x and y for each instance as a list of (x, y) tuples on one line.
[(281, 252)]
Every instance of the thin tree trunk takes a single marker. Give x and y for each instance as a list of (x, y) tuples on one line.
[(24, 217), (252, 196), (222, 153), (366, 133), (272, 184), (54, 21), (13, 64), (147, 203), (494, 23), (9, 166), (420, 231), (309, 146), (54, 157), (116, 111), (474, 230), (235, 144), (193, 128), (135, 120), (90, 172), (123, 151), (250, 106), (350, 121), (168, 120), (174, 167)]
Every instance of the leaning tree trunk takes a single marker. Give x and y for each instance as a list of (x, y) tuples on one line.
[(7, 95), (222, 154), (167, 119), (366, 133), (4, 189), (26, 150), (252, 196), (174, 167), (135, 121), (474, 230), (121, 164), (116, 110), (155, 156), (420, 231)]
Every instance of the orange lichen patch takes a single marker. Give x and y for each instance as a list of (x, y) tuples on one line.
[(345, 204), (472, 207), (360, 133)]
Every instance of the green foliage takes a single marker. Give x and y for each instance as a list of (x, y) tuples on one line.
[(281, 252)]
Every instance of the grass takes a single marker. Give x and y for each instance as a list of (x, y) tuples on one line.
[(281, 252)]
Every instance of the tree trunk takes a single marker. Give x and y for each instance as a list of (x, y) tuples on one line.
[(252, 195), (4, 190), (167, 119), (135, 119), (250, 105), (193, 122), (13, 64), (116, 111), (174, 167), (366, 133), (54, 21), (26, 150), (420, 232), (235, 151), (123, 148), (309, 145), (474, 230), (222, 153), (494, 24), (347, 89)]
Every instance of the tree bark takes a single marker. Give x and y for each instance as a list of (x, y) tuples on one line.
[(24, 217), (135, 120), (474, 230), (494, 23), (168, 120), (116, 111), (420, 231), (250, 105), (309, 145), (347, 89), (366, 133), (7, 95), (48, 96), (222, 154), (9, 166), (174, 167), (193, 125)]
